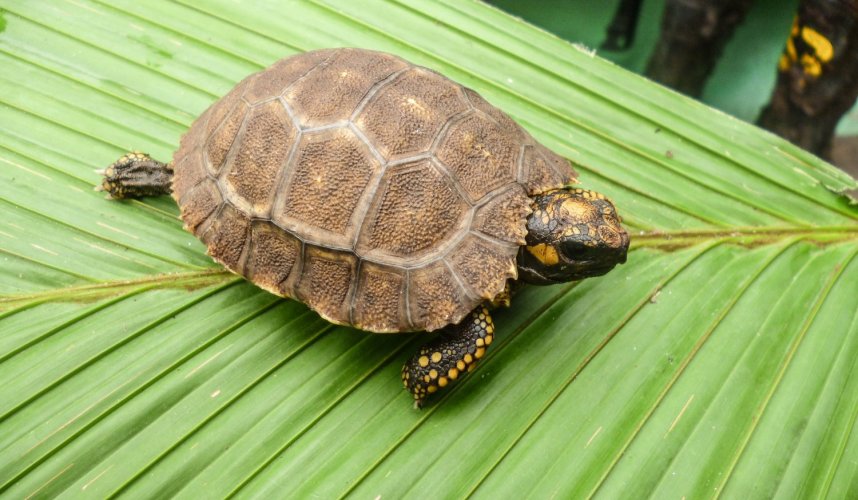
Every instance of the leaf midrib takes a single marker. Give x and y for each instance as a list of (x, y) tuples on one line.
[(655, 239), (189, 280), (749, 236)]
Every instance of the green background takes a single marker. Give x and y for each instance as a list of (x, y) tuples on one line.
[(743, 79)]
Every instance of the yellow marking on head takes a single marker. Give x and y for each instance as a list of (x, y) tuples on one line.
[(480, 352), (453, 373), (544, 253), (436, 357), (442, 381), (481, 342), (433, 373), (468, 358), (423, 361), (823, 48), (580, 210), (460, 365), (431, 389)]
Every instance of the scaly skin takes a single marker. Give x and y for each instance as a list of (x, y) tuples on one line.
[(572, 234), (136, 175), (452, 354)]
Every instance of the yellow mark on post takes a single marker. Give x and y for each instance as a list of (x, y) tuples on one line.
[(790, 49), (811, 65), (823, 48)]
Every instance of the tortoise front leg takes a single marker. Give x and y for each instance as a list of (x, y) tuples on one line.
[(136, 175), (453, 353)]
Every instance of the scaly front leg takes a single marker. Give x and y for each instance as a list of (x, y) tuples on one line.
[(452, 354)]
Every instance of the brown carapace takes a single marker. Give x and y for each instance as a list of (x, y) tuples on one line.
[(381, 194)]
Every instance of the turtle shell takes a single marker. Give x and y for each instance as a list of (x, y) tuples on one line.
[(380, 193)]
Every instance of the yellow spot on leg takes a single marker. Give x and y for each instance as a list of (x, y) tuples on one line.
[(436, 357), (461, 365), (442, 381), (431, 389), (453, 373), (480, 352), (423, 361), (433, 373), (469, 359)]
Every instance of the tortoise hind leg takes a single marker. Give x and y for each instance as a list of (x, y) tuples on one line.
[(136, 175), (453, 353)]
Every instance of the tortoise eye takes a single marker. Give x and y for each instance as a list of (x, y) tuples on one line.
[(576, 251)]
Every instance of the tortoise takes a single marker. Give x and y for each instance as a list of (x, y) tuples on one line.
[(382, 195)]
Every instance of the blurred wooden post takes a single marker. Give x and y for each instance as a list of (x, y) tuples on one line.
[(621, 31), (693, 35), (817, 75)]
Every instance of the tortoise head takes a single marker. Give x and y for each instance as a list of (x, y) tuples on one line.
[(572, 234)]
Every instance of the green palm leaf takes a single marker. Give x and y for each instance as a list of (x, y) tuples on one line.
[(721, 359)]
